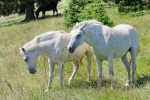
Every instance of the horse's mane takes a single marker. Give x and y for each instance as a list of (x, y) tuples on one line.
[(88, 22), (43, 37), (48, 36)]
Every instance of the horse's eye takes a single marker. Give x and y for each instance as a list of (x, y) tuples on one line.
[(78, 36)]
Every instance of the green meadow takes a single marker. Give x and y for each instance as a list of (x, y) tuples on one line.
[(17, 83)]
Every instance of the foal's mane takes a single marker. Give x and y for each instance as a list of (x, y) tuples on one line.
[(88, 22)]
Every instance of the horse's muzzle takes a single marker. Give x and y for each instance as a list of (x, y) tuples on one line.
[(32, 71), (70, 50)]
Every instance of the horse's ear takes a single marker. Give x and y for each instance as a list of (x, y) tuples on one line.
[(22, 49), (83, 25), (76, 23)]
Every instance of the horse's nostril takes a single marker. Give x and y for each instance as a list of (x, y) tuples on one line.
[(32, 71), (70, 48)]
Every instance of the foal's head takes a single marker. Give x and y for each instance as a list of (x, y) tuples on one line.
[(30, 59), (77, 38)]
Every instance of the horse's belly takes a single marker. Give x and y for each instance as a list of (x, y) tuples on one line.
[(120, 52)]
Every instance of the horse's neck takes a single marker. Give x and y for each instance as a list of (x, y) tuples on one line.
[(47, 47), (39, 9), (92, 36)]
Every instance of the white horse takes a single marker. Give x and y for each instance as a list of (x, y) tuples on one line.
[(54, 45), (107, 44)]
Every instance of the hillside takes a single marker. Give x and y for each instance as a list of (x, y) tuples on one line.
[(14, 34)]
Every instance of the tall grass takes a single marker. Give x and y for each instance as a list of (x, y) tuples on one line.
[(30, 87)]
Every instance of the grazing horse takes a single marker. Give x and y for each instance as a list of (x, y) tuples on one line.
[(47, 7), (107, 44), (54, 45)]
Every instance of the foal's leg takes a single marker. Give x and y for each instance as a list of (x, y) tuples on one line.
[(99, 65), (111, 73), (127, 65), (51, 66), (76, 67), (133, 59), (61, 68)]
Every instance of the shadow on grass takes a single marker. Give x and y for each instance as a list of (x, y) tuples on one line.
[(92, 84), (142, 81), (10, 23), (49, 16), (20, 21)]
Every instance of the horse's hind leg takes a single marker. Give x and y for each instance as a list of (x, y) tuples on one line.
[(56, 11), (133, 52), (51, 66), (76, 67), (127, 65)]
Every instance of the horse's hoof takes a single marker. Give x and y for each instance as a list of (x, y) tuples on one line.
[(127, 84), (112, 87), (88, 81), (47, 90), (98, 88), (69, 82)]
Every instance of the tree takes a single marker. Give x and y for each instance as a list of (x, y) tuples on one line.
[(8, 7)]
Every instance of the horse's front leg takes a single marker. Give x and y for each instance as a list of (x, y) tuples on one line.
[(89, 61), (51, 67), (61, 68), (111, 73), (53, 12), (99, 65), (76, 67)]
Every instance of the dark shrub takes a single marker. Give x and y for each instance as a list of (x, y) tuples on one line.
[(80, 10), (127, 6)]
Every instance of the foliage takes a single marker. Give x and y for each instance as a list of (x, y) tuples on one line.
[(95, 11), (116, 1), (127, 6), (43, 2), (139, 13), (83, 10), (8, 7)]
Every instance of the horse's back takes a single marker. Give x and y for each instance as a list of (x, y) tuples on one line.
[(126, 38), (130, 32)]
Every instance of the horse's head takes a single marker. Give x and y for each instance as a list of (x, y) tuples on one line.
[(77, 38), (30, 60)]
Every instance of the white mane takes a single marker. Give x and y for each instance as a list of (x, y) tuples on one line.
[(41, 38), (88, 22)]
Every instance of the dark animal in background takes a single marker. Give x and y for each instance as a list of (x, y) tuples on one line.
[(47, 7)]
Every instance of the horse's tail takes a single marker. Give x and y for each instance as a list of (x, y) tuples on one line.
[(80, 62), (136, 53)]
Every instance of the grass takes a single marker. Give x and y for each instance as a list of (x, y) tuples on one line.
[(30, 87)]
